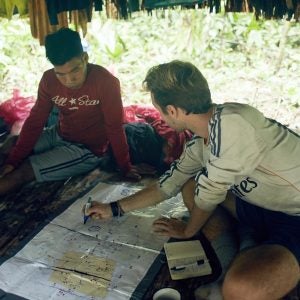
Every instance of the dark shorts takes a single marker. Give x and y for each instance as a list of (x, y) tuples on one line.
[(271, 227)]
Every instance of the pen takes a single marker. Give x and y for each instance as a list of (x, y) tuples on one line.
[(87, 206), (183, 267)]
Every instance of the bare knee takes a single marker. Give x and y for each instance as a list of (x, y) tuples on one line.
[(236, 287), (264, 272)]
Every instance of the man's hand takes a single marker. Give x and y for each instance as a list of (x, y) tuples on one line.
[(5, 169), (141, 169), (170, 227), (99, 211)]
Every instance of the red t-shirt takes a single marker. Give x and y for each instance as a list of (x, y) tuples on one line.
[(91, 115)]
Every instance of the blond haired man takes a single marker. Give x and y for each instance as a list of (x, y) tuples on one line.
[(239, 159)]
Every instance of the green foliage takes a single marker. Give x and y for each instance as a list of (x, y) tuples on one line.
[(21, 58), (117, 49), (238, 54)]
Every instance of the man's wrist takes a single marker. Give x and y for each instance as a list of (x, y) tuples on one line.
[(121, 211), (116, 209), (189, 232)]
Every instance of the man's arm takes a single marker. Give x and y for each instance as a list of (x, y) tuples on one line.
[(164, 226), (149, 196), (32, 128), (112, 109), (178, 229), (197, 220)]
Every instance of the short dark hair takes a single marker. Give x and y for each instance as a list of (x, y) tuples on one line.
[(63, 45), (180, 84)]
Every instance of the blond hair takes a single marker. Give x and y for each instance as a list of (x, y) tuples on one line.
[(180, 84)]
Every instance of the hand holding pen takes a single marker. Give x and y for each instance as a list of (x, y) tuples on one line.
[(99, 211), (86, 208)]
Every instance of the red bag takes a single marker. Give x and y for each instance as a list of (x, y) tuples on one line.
[(15, 111)]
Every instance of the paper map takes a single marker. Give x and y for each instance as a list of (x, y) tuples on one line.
[(71, 274), (98, 260)]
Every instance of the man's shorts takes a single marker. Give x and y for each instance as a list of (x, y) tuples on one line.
[(271, 227), (57, 159)]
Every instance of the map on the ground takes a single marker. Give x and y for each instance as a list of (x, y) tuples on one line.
[(98, 260)]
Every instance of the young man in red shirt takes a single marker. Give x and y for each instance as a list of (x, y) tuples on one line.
[(88, 99)]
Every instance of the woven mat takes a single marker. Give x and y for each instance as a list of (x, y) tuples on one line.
[(27, 211)]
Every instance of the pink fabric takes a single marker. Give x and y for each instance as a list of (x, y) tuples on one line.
[(15, 111)]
